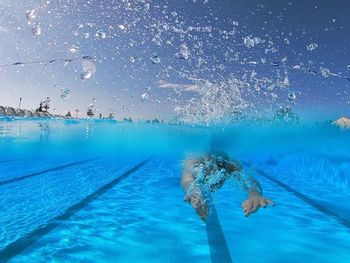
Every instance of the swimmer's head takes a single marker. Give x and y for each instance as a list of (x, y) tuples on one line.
[(223, 161)]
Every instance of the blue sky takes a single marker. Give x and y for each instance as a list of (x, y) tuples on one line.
[(212, 32)]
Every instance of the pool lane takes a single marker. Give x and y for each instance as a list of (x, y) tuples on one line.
[(16, 247), (61, 167), (254, 239), (16, 168), (219, 252), (142, 219), (29, 204), (12, 160), (315, 197), (343, 221), (292, 231)]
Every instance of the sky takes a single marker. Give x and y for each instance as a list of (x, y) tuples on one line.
[(195, 59)]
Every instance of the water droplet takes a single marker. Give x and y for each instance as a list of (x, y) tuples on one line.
[(86, 35), (325, 72), (85, 75), (292, 96), (348, 66), (36, 30), (184, 52), (155, 59), (286, 40), (74, 49), (144, 97), (31, 15), (65, 93), (157, 40), (250, 42), (146, 7), (235, 23), (122, 27), (100, 34), (312, 46), (87, 65)]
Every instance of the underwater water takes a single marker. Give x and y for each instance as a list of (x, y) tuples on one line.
[(103, 191)]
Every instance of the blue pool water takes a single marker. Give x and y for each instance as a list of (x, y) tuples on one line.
[(109, 192)]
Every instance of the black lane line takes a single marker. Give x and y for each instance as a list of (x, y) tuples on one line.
[(11, 160), (18, 159), (15, 248), (20, 178), (219, 252), (343, 221)]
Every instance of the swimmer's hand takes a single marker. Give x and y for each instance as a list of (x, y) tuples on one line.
[(199, 204), (254, 202)]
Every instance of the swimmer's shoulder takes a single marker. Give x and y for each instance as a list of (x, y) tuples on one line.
[(192, 162)]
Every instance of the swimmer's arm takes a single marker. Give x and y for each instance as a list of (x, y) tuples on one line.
[(193, 193), (255, 198), (248, 183), (187, 177), (186, 181), (252, 186)]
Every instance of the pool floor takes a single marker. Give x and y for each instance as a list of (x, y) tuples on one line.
[(117, 210)]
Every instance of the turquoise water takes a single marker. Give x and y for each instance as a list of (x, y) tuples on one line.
[(99, 191)]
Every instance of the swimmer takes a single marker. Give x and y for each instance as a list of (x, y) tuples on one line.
[(208, 173)]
